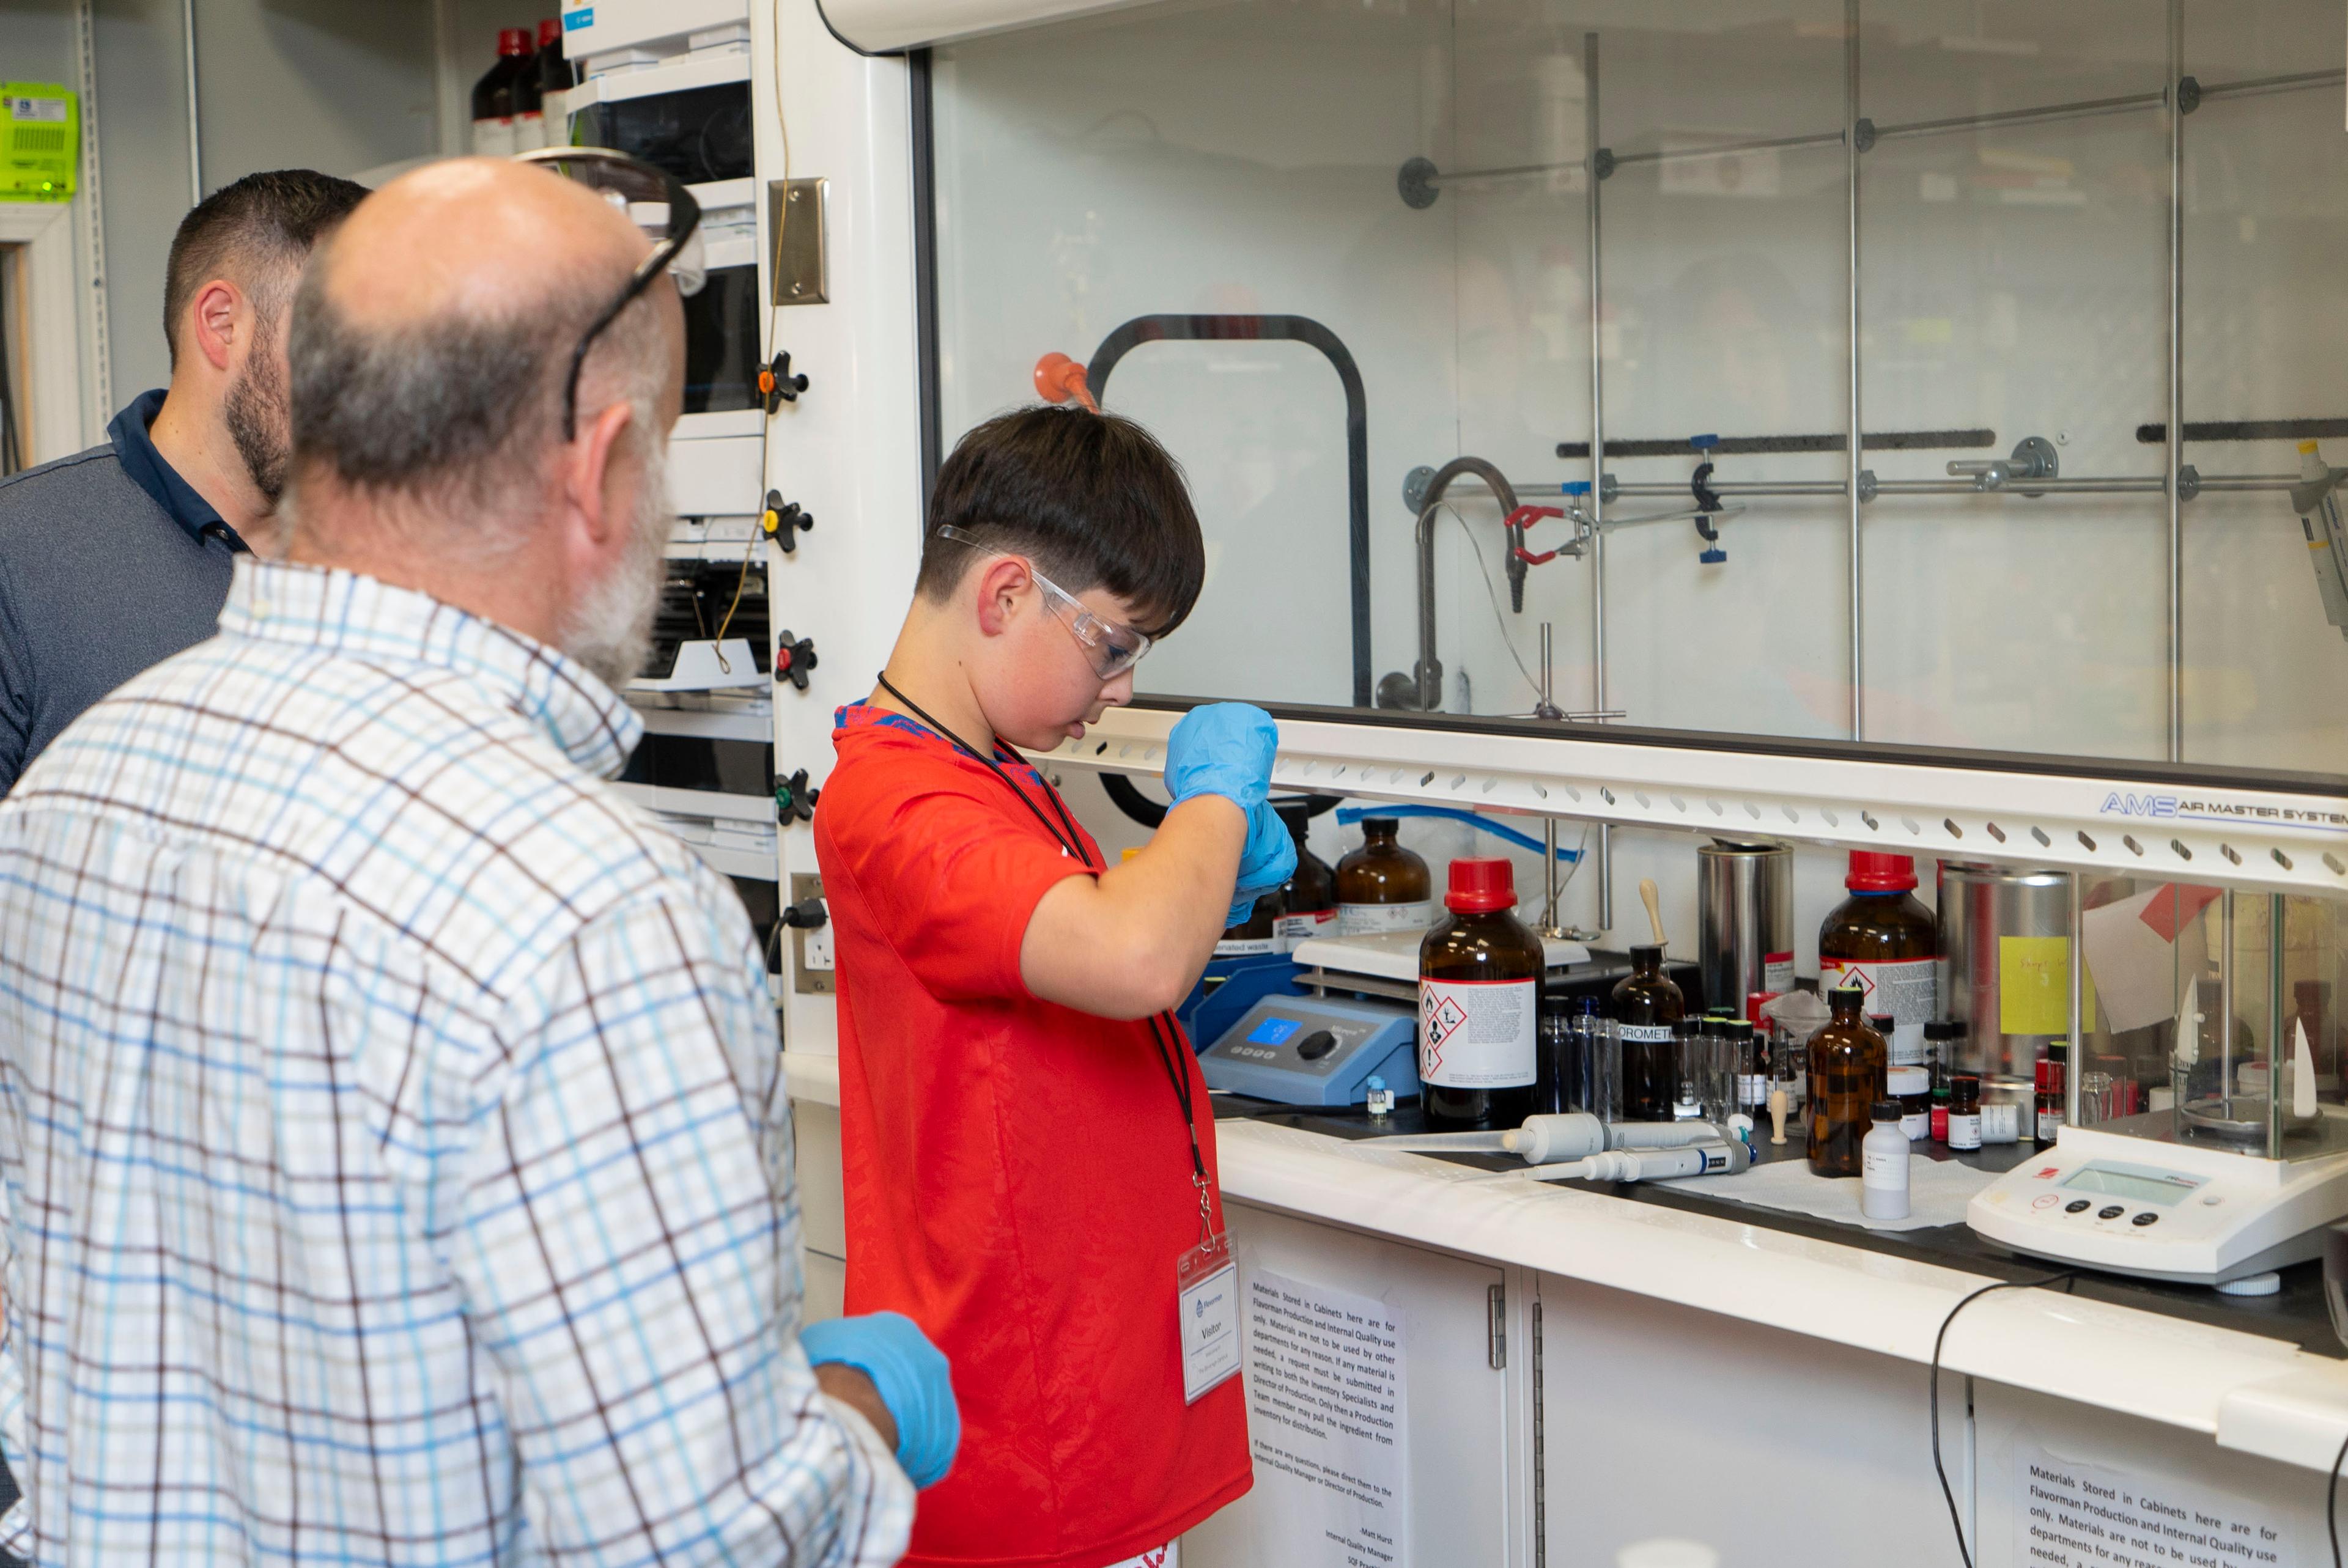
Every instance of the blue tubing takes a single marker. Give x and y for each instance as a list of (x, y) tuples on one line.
[(1349, 815)]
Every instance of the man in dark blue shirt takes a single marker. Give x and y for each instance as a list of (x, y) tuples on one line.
[(117, 557)]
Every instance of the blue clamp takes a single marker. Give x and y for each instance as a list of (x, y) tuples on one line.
[(1704, 442), (1574, 487)]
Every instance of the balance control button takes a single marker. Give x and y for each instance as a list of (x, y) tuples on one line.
[(2044, 1201), (1316, 1045), (2075, 1206), (2144, 1218), (2110, 1212)]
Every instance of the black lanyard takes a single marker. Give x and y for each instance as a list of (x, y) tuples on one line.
[(1162, 1026)]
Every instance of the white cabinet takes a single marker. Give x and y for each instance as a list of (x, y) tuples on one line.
[(1661, 1421), (823, 1229), (1467, 1429)]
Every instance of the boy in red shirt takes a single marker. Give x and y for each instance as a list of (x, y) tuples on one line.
[(1028, 1145)]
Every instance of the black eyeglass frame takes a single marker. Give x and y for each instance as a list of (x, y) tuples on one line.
[(683, 219)]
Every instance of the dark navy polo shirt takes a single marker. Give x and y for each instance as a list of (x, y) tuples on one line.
[(109, 562)]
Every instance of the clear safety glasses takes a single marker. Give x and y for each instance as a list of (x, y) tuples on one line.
[(1113, 647), (655, 202)]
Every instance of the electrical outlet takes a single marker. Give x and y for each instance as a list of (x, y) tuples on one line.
[(811, 960)]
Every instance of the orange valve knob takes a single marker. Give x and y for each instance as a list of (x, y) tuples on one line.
[(1059, 378)]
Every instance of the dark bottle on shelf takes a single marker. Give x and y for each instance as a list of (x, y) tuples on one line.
[(1647, 1004), (497, 96), (1479, 988), (1848, 1069), (1885, 941), (1256, 937), (1381, 886), (1308, 900)]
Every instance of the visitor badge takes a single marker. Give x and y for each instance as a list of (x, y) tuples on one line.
[(1207, 1292)]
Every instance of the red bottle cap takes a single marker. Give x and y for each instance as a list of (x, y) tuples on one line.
[(1481, 885), (550, 31), (513, 41), (1872, 871)]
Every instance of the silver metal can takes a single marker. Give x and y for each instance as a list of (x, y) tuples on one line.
[(2005, 958), (1744, 919)]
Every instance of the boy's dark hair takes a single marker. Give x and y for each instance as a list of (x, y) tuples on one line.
[(1092, 500), (259, 231)]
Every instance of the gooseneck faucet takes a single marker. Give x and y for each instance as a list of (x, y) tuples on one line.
[(1422, 688)]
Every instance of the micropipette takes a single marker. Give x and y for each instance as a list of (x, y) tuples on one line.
[(1644, 1165), (1562, 1135)]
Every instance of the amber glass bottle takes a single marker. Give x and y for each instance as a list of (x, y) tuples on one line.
[(1479, 983), (1381, 886), (1647, 1004), (1308, 900), (1848, 1076), (1882, 939)]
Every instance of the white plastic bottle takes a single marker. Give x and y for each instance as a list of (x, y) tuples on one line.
[(1883, 1165)]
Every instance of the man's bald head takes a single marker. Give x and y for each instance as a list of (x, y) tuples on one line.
[(432, 335)]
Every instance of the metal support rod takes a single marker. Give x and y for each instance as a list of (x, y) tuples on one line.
[(1852, 455), (195, 123), (2081, 108), (2225, 1005), (2112, 484), (1550, 886), (1597, 506), (2175, 449), (2078, 963), (2278, 1031)]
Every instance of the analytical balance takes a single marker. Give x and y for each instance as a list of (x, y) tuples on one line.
[(2241, 1163), (1351, 1016)]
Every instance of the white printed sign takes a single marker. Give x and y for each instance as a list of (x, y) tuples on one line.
[(1325, 1383), (2072, 1515)]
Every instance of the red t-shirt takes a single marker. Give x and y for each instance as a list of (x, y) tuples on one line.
[(1017, 1179)]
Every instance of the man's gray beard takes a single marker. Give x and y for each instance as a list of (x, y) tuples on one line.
[(609, 630)]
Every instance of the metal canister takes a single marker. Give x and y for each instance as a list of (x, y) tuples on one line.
[(1744, 919), (2005, 967)]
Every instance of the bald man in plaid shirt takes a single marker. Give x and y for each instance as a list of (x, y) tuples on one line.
[(395, 1160)]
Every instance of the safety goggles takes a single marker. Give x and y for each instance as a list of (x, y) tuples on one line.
[(1113, 647), (654, 201)]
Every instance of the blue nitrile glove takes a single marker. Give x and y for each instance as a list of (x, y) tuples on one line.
[(1267, 859), (912, 1377), (1225, 749)]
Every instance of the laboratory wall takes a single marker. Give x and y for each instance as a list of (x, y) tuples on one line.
[(341, 87), (2014, 280)]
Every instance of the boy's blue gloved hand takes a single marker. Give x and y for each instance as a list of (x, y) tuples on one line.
[(1225, 749), (912, 1378), (1267, 859)]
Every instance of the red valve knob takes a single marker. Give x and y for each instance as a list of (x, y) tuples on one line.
[(1059, 378)]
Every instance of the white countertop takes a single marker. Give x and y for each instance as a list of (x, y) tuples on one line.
[(2261, 1396)]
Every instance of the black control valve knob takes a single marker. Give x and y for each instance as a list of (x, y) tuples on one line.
[(795, 799), (784, 521), (794, 657), (777, 385)]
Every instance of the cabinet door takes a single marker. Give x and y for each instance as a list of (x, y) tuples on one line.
[(1662, 1420), (1463, 1428)]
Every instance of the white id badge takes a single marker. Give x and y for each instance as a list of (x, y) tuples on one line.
[(1207, 1293)]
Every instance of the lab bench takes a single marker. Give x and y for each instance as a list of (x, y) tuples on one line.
[(1586, 1368)]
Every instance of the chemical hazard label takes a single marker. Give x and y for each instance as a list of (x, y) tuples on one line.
[(1476, 1034)]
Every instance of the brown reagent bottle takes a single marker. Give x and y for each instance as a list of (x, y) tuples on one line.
[(1848, 1063), (1381, 886), (1479, 983), (1308, 900), (1647, 1004), (1885, 941)]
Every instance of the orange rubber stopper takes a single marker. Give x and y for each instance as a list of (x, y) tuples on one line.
[(1059, 378)]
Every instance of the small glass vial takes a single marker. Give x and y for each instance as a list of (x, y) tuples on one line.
[(1883, 1165), (1965, 1111), (2052, 1071), (1912, 1087), (1381, 1103), (2001, 1121)]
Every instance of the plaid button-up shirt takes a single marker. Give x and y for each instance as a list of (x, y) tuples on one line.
[(396, 1162)]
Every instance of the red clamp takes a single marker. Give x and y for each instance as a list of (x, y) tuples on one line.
[(1524, 518)]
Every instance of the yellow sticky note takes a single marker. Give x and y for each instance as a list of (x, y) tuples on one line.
[(2034, 985)]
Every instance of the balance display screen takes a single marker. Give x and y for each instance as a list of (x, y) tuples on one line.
[(2138, 1188)]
